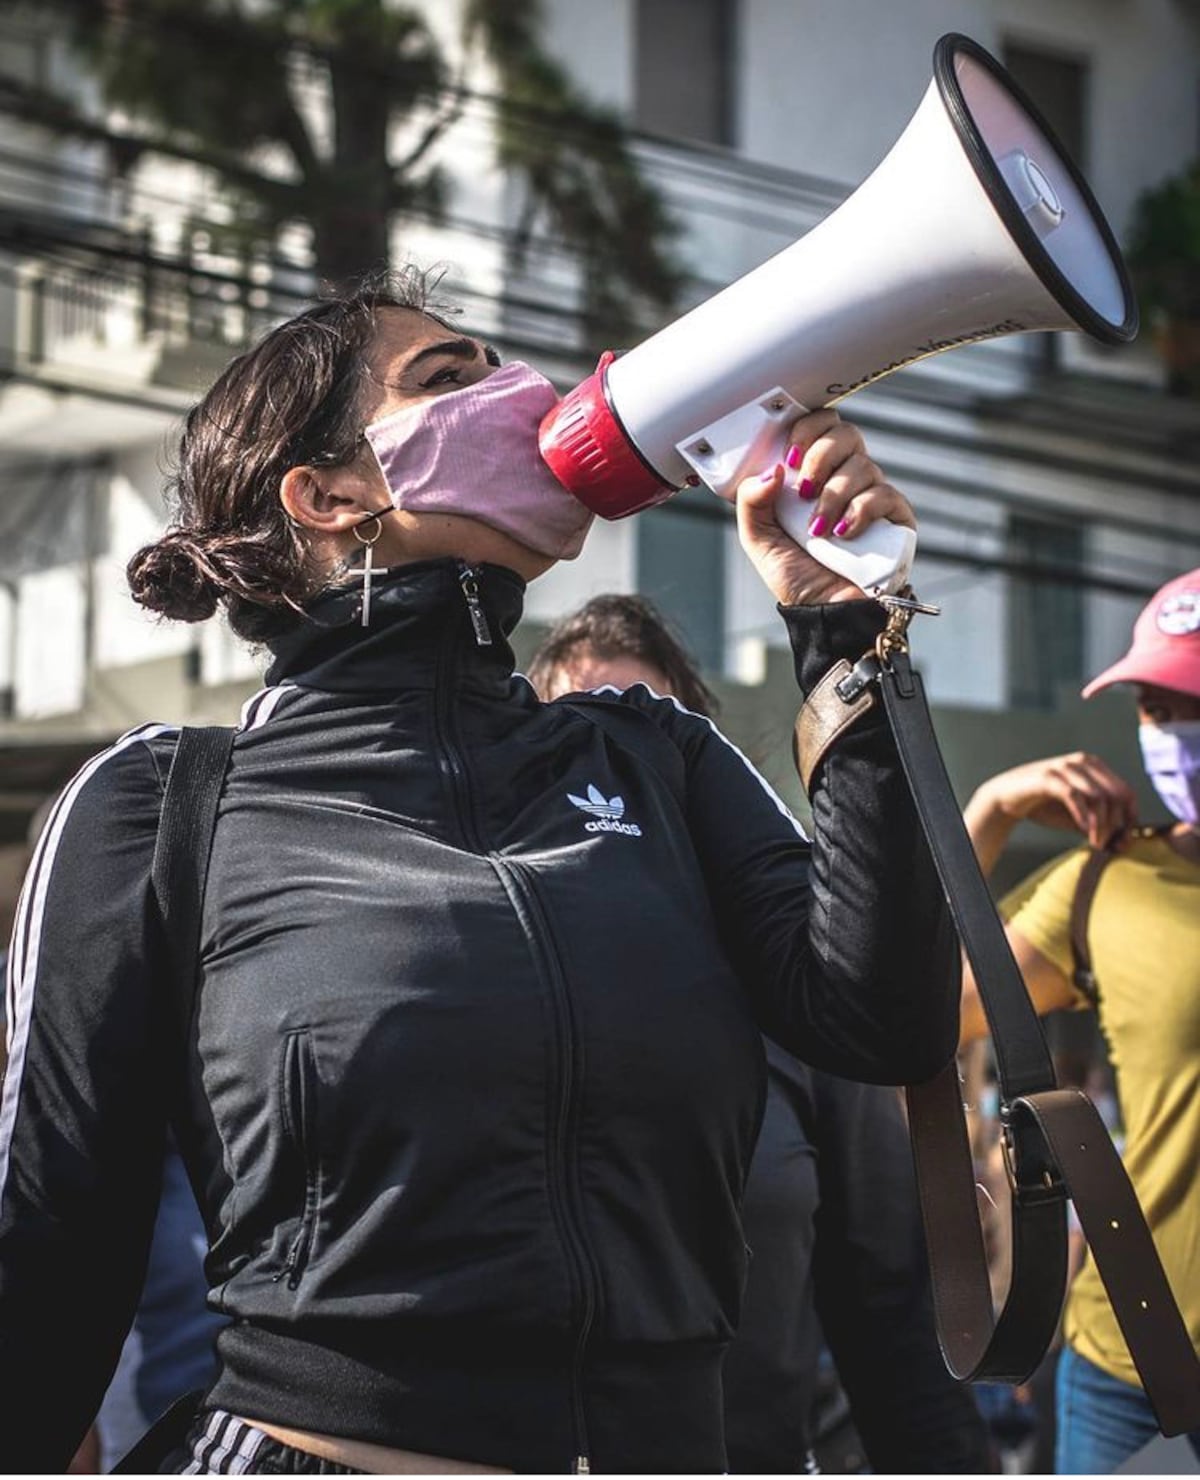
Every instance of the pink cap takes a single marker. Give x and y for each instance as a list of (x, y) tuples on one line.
[(1166, 642)]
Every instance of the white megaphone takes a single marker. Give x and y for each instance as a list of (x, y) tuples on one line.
[(975, 225)]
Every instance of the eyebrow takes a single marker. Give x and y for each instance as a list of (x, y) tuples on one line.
[(462, 348)]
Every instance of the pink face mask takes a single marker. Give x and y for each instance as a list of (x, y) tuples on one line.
[(474, 452)]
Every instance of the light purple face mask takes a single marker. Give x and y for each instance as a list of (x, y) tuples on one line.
[(1171, 755), (474, 452)]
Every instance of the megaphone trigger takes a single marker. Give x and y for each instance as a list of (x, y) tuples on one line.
[(747, 440)]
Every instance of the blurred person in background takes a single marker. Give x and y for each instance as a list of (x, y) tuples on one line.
[(1144, 940), (169, 1351), (830, 1211), (474, 1068)]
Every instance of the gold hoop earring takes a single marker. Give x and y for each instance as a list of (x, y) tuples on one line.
[(368, 561)]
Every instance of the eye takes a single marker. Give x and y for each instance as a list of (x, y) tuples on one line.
[(447, 375)]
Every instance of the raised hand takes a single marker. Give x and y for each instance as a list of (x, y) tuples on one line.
[(1078, 792), (845, 491)]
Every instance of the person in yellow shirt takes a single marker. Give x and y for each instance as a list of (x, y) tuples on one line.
[(1144, 938)]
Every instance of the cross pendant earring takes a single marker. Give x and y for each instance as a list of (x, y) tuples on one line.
[(368, 563)]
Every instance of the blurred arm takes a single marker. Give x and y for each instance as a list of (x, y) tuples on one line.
[(1076, 792)]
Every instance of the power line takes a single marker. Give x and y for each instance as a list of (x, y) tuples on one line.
[(913, 475), (47, 238), (25, 231), (46, 234), (87, 179), (90, 181)]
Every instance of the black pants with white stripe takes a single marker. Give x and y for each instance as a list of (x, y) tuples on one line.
[(220, 1444)]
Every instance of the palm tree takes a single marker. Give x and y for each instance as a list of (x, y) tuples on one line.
[(228, 84)]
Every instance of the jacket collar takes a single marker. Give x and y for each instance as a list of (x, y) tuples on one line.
[(421, 626)]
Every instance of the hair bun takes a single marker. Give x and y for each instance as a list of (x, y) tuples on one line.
[(172, 576)]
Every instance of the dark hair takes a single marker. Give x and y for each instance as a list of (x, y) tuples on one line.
[(290, 400), (624, 627)]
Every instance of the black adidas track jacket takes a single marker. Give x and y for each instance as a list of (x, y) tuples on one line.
[(475, 1072)]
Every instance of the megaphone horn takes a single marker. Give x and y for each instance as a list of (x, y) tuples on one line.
[(975, 225)]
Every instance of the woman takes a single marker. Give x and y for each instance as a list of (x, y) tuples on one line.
[(1144, 943), (475, 1072)]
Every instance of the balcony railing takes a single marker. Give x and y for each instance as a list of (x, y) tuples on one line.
[(137, 301), (97, 300)]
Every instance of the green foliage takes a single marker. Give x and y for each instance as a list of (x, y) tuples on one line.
[(1164, 247), (295, 104), (580, 178)]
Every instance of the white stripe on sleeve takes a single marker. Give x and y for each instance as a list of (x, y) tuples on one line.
[(259, 708), (27, 933)]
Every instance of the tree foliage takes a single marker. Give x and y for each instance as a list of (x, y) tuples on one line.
[(297, 106), (1164, 245)]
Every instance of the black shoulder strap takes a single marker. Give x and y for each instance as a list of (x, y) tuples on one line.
[(182, 849), (178, 875), (1054, 1142), (636, 731), (1097, 861), (1083, 976)]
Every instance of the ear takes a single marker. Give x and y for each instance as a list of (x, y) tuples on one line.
[(319, 501)]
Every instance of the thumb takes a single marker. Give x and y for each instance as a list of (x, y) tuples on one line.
[(756, 494)]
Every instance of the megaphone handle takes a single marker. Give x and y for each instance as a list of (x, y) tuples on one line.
[(878, 560), (755, 436)]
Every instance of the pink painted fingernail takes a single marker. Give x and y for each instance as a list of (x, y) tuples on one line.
[(841, 526), (795, 456), (807, 489), (817, 526)]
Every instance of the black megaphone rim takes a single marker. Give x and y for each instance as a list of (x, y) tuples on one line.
[(1026, 239)]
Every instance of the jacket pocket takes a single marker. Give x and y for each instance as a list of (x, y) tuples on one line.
[(298, 1098)]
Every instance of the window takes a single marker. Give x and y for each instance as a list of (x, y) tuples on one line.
[(1058, 88), (1045, 612), (681, 568), (683, 69)]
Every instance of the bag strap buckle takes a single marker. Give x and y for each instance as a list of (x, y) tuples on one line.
[(1046, 1184)]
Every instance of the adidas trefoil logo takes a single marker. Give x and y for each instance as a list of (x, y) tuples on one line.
[(606, 811)]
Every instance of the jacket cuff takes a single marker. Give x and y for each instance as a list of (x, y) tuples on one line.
[(821, 635)]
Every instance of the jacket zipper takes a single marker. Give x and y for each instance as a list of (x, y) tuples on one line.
[(298, 1099), (453, 761), (565, 1196), (469, 583)]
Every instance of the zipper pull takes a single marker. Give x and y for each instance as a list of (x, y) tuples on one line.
[(479, 621), (289, 1264), (581, 1465)]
